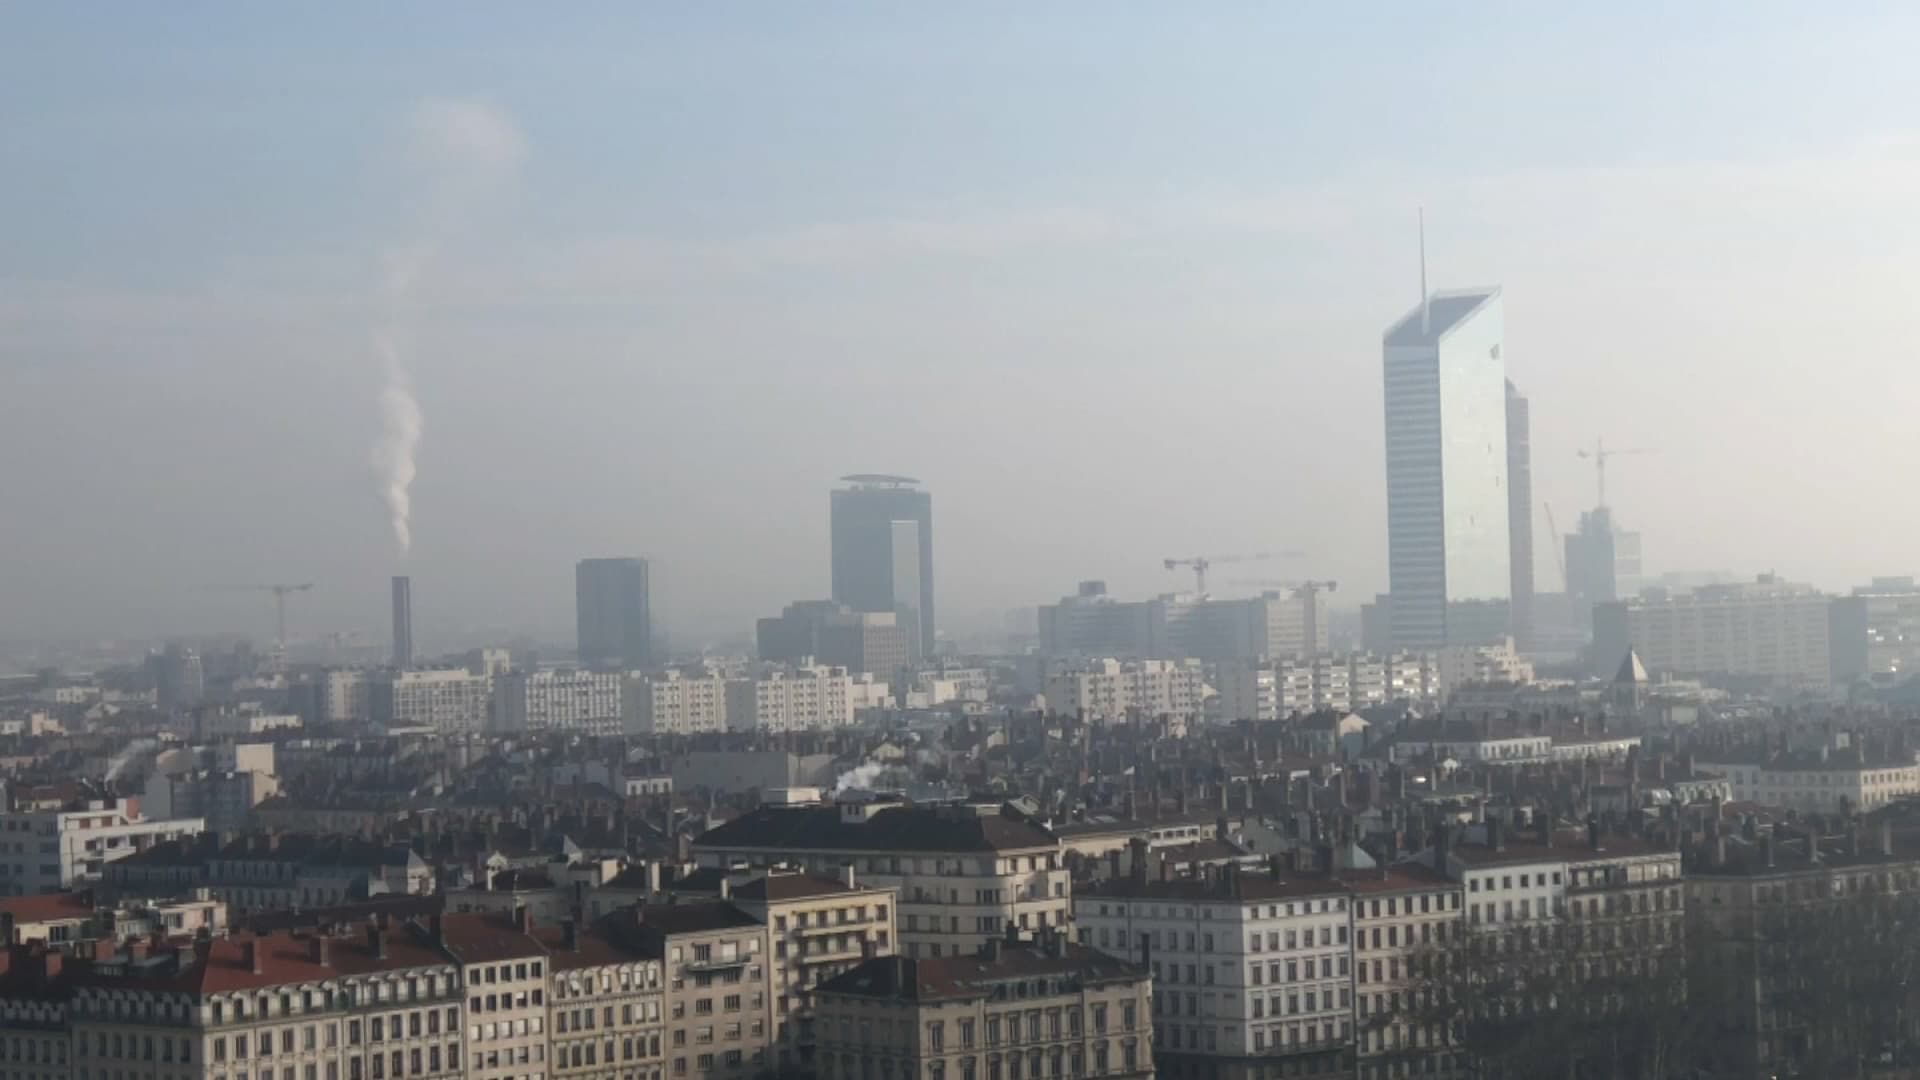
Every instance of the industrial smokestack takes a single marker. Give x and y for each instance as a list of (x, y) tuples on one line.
[(402, 622)]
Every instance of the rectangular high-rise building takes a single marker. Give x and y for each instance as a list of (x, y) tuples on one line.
[(402, 622), (1448, 536), (613, 614), (883, 551), (1520, 515)]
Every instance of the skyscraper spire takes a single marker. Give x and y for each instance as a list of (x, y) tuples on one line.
[(1423, 272)]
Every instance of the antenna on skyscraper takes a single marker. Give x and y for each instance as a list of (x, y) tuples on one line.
[(1423, 272)]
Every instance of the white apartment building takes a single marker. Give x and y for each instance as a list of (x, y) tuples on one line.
[(1277, 688), (48, 850), (451, 701), (963, 873), (801, 699), (1107, 691), (1826, 780), (674, 702), (1247, 966), (345, 697), (1766, 629), (573, 702), (1500, 663)]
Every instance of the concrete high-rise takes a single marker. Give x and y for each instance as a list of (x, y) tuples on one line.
[(883, 551), (402, 622), (1448, 536), (1520, 515), (613, 614)]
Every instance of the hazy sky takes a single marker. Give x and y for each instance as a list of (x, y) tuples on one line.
[(1111, 278)]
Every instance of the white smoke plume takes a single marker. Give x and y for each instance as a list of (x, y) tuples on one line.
[(462, 151), (861, 777), (132, 750), (393, 455)]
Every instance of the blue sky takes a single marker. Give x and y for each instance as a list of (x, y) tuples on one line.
[(1110, 277)]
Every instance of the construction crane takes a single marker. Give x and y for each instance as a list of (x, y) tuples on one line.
[(1559, 550), (279, 601), (1200, 563), (1599, 455)]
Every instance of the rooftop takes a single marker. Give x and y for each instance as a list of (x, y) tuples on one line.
[(975, 976), (1445, 310), (898, 828)]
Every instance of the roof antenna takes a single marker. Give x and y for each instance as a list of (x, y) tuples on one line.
[(1424, 305)]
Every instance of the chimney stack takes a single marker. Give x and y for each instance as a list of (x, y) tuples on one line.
[(402, 621), (319, 950), (570, 935), (376, 942)]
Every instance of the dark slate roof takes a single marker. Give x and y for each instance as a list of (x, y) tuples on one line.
[(777, 887), (960, 977), (900, 828), (694, 918), (1445, 311)]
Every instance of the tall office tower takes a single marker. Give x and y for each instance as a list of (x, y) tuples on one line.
[(1446, 432), (883, 551), (402, 622), (179, 681), (1520, 515), (1603, 561), (613, 614)]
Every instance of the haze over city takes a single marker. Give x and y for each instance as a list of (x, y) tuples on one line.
[(1111, 282)]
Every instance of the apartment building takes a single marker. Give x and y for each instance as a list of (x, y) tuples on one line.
[(674, 703), (817, 928), (382, 1005), (606, 1000), (1277, 688), (719, 1014), (1252, 970), (801, 699), (1765, 630), (505, 971), (1013, 1009), (272, 873), (46, 850), (1751, 888), (1397, 912), (1826, 779), (564, 702), (346, 697), (963, 872), (1110, 690), (450, 701)]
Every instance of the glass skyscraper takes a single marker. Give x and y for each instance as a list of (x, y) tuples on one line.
[(1446, 439), (883, 551)]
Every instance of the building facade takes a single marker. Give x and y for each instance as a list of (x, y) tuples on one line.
[(613, 614), (882, 532), (1048, 1008), (1110, 691), (45, 850), (1765, 630), (451, 701), (1448, 525), (963, 872), (566, 702)]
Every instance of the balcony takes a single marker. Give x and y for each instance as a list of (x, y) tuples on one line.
[(717, 963)]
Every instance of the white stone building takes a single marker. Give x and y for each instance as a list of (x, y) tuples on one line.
[(564, 701), (45, 850), (1107, 691)]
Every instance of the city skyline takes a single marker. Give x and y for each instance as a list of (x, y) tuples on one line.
[(1141, 308)]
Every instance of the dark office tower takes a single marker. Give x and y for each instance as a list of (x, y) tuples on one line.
[(613, 614), (402, 622), (883, 551), (1520, 514)]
